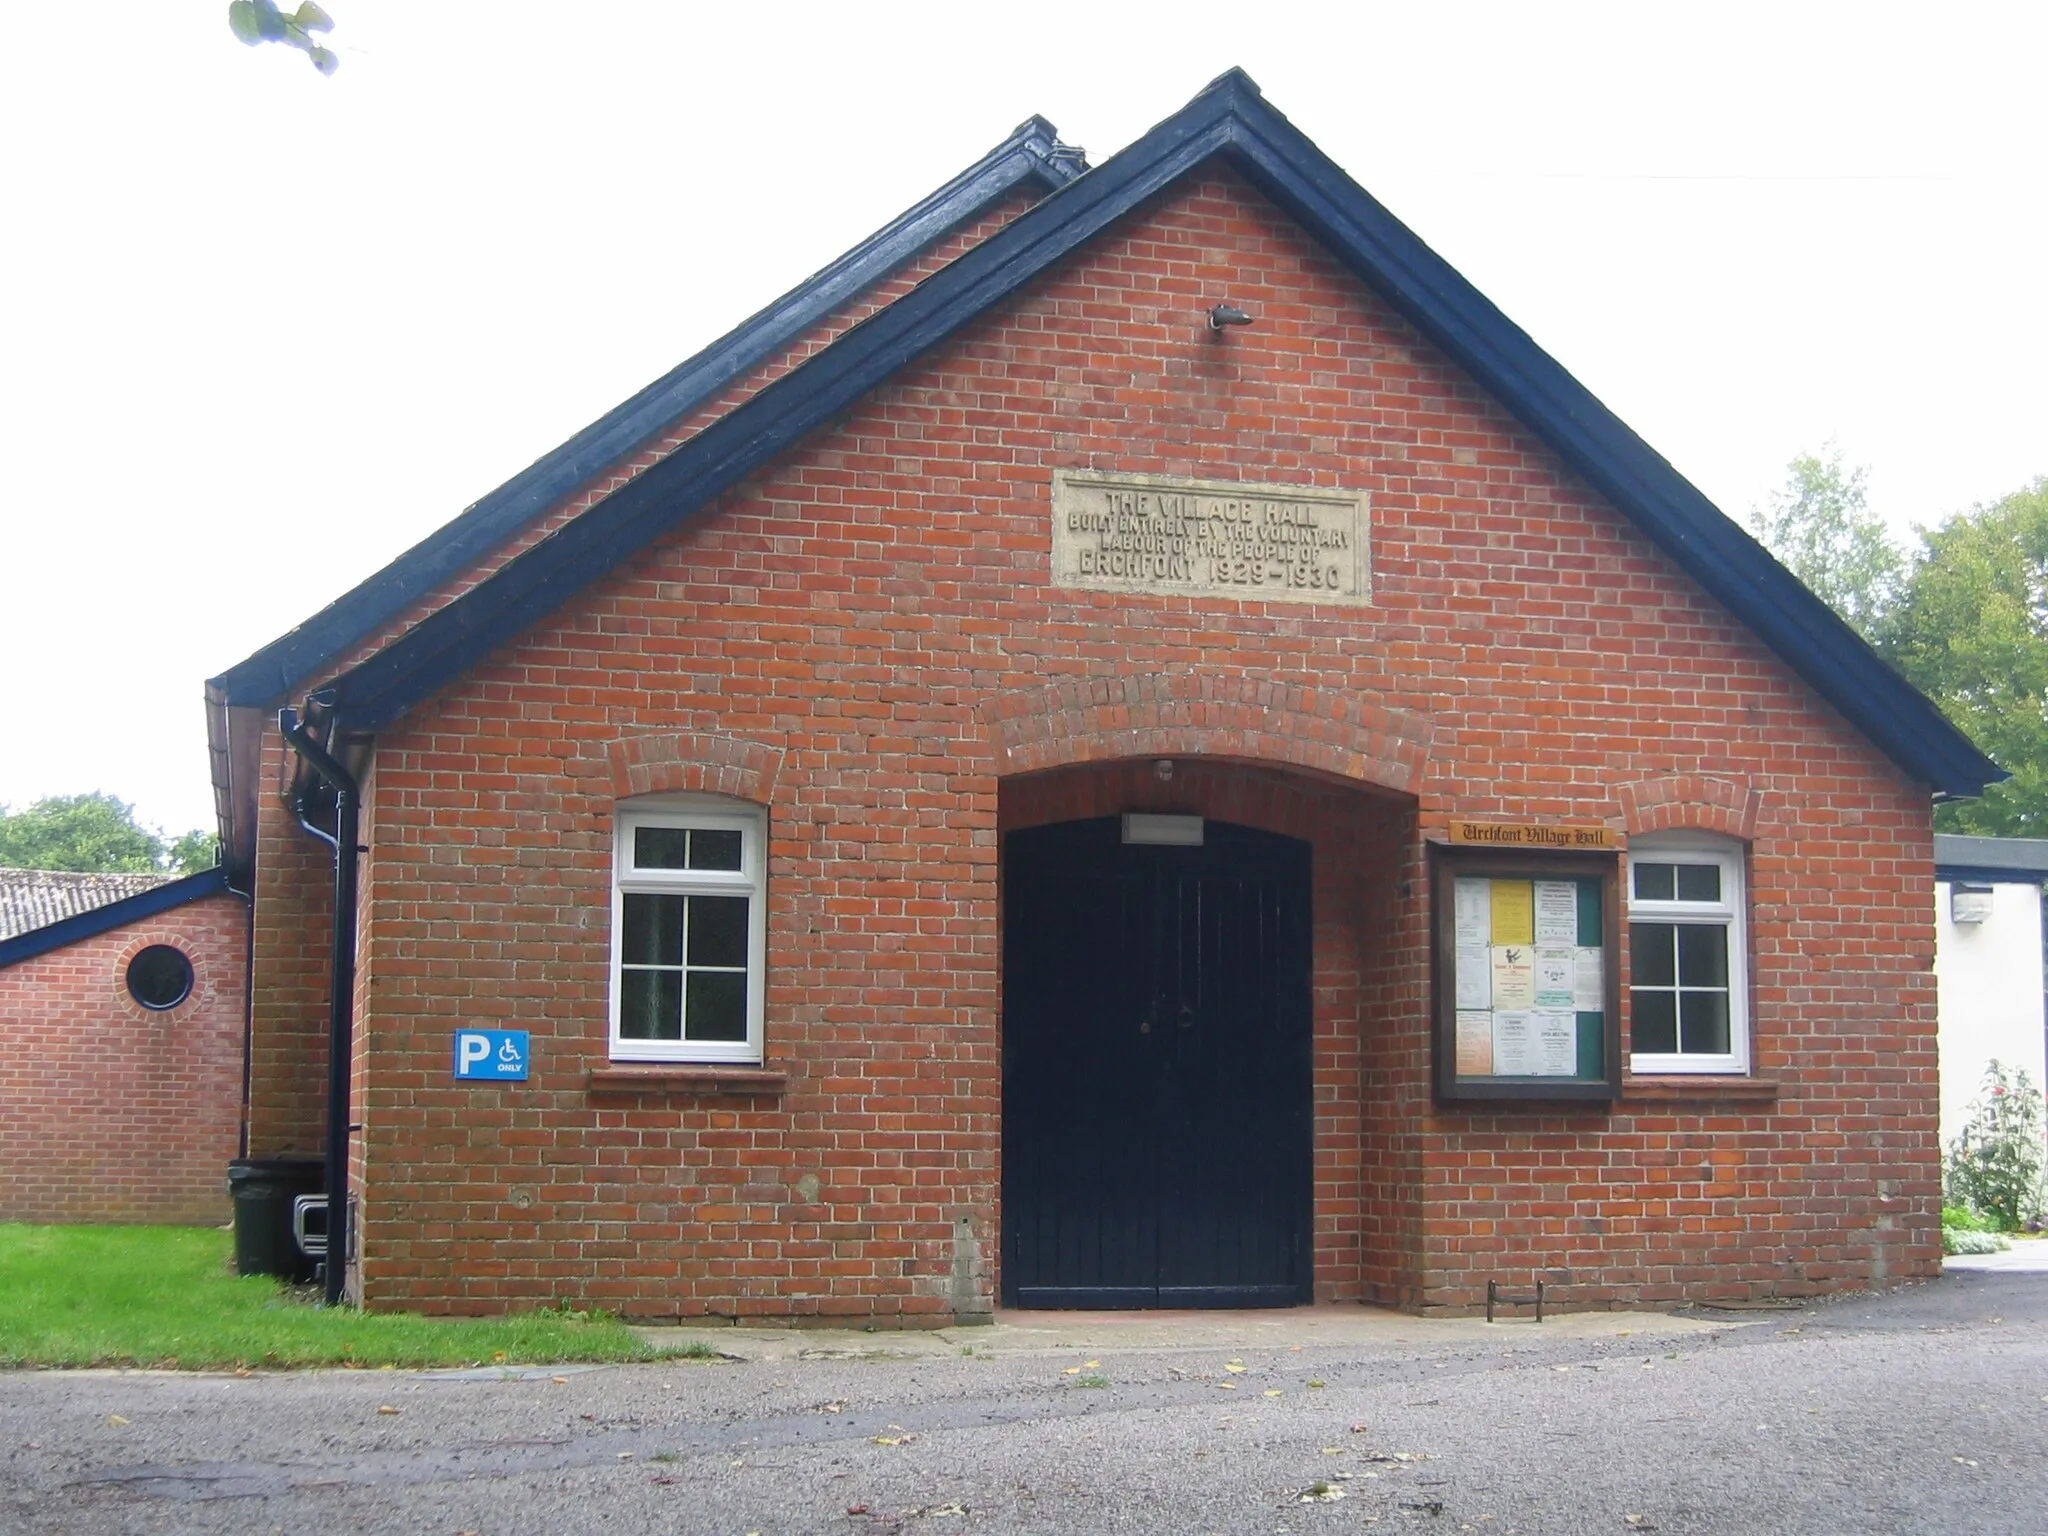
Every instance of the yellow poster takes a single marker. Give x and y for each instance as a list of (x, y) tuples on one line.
[(1514, 912)]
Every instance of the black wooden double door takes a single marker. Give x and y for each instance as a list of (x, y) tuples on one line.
[(1156, 1069)]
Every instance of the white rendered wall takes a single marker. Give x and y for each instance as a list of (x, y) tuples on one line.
[(1988, 977)]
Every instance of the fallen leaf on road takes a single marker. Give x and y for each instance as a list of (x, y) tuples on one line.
[(1638, 1522), (1226, 1386), (856, 1509), (1962, 1461), (835, 1406), (117, 1418), (945, 1509), (1319, 1493), (1235, 1367), (560, 1381), (1072, 1370), (1358, 1429), (894, 1439), (386, 1408), (1091, 1365), (1318, 1383), (1272, 1393)]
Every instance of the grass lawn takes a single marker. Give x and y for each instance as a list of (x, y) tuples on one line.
[(168, 1296)]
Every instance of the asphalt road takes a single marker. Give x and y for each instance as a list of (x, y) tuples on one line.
[(1925, 1410)]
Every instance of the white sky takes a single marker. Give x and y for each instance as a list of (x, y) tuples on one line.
[(260, 331)]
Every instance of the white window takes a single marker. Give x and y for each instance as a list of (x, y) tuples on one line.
[(689, 930), (1687, 955)]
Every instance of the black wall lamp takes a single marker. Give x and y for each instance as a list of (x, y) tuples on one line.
[(1225, 315)]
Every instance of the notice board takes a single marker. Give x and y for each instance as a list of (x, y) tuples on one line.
[(1525, 975)]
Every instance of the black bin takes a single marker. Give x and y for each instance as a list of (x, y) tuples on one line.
[(263, 1189)]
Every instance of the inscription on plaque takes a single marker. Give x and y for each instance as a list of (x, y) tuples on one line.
[(1149, 533)]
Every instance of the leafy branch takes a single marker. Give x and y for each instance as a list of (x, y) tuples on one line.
[(260, 21)]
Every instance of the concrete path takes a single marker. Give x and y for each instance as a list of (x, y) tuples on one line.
[(2027, 1256), (1014, 1333)]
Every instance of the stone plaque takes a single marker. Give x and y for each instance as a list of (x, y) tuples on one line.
[(1150, 533)]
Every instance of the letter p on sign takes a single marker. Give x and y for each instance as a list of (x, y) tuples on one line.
[(490, 1055)]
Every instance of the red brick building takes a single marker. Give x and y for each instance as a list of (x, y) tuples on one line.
[(122, 1006), (1133, 742)]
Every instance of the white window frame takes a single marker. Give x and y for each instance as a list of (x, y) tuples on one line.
[(709, 813), (1730, 912)]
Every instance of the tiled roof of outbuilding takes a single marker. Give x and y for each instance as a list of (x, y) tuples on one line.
[(103, 903), (36, 898)]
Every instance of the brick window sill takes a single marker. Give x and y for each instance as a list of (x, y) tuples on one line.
[(686, 1078), (1678, 1087)]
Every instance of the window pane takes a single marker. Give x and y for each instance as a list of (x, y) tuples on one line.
[(1651, 951), (1699, 882), (718, 930), (650, 1005), (1703, 1023), (1655, 1022), (714, 849), (660, 847), (654, 930), (1653, 882), (718, 1005), (1702, 955)]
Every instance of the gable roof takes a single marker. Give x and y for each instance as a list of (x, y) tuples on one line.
[(1233, 121), (1031, 158), (114, 911)]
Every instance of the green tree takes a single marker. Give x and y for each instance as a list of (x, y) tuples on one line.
[(78, 832), (1822, 532), (1971, 631), (194, 853)]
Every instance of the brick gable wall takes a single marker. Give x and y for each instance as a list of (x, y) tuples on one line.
[(872, 615), (110, 1112)]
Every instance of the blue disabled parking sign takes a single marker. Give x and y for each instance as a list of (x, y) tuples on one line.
[(490, 1055)]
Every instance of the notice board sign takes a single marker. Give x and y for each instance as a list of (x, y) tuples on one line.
[(1525, 975)]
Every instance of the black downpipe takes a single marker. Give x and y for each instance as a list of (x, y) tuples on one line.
[(341, 992)]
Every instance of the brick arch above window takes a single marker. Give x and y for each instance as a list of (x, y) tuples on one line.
[(694, 762), (1689, 802), (1181, 714)]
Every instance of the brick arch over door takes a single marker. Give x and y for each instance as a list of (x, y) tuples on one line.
[(1193, 715)]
